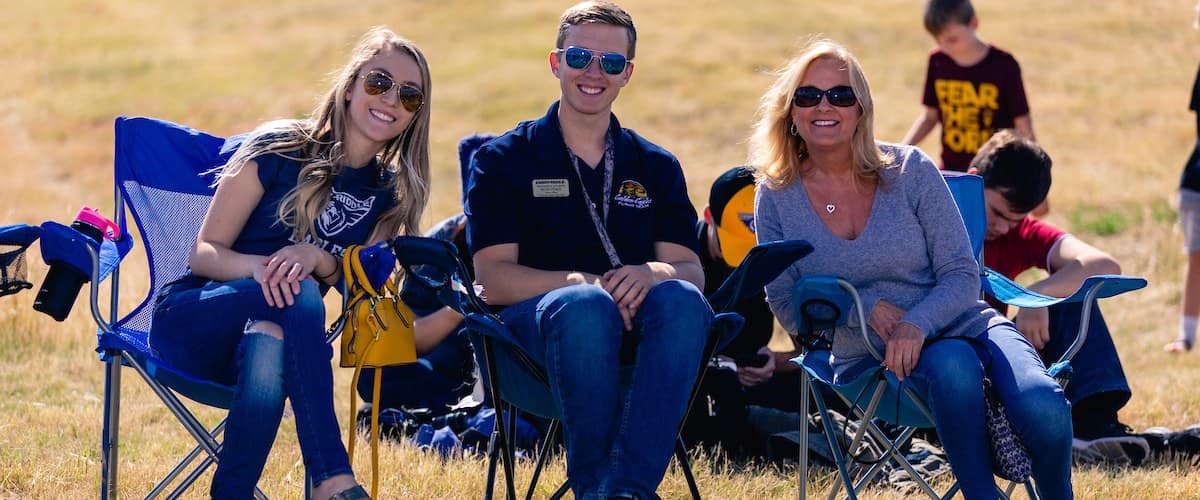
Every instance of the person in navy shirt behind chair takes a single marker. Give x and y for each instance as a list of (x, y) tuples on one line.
[(584, 231)]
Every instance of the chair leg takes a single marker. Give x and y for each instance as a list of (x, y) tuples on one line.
[(209, 460), (562, 490), (506, 450), (548, 441), (685, 464), (187, 481), (1030, 491), (493, 456), (109, 434), (499, 437), (802, 464), (835, 446)]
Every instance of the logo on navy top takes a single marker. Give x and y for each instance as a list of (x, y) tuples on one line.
[(632, 194), (342, 212)]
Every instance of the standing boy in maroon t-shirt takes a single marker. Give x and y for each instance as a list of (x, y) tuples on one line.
[(971, 88)]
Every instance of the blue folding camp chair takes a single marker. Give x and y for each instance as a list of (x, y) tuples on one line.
[(517, 382), (160, 179), (822, 303), (164, 180)]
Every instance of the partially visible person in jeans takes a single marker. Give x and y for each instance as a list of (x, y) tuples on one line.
[(881, 217), (748, 373), (726, 234), (291, 199), (1016, 178), (443, 376), (582, 229)]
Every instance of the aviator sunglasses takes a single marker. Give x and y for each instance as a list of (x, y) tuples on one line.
[(378, 82), (579, 58), (808, 96)]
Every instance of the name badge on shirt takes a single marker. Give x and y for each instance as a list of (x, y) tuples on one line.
[(551, 188)]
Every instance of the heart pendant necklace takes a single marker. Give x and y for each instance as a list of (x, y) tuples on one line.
[(830, 208)]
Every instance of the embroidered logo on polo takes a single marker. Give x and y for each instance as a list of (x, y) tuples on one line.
[(343, 211), (632, 194)]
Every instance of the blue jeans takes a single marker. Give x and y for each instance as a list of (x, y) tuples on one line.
[(1097, 367), (619, 439), (949, 378), (437, 381), (208, 329)]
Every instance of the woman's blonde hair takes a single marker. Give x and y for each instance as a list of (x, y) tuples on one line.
[(777, 153), (318, 143)]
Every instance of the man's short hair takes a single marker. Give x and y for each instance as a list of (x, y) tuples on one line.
[(594, 11), (1016, 167), (942, 13)]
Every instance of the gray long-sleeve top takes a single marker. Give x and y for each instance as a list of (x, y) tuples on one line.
[(913, 252)]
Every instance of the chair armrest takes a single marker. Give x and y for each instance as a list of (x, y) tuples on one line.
[(1101, 286), (104, 263), (762, 265)]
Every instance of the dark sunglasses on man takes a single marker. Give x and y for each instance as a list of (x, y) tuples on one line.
[(808, 96), (378, 82), (580, 58)]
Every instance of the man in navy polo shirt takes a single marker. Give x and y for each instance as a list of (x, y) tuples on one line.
[(584, 230)]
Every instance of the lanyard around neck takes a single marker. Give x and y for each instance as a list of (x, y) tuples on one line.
[(598, 220)]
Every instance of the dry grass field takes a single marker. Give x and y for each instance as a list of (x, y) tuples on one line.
[(1108, 84)]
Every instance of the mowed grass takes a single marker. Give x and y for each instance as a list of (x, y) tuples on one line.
[(1108, 83)]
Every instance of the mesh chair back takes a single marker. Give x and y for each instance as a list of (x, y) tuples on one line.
[(161, 174)]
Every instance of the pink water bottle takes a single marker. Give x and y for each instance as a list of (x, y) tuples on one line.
[(63, 281)]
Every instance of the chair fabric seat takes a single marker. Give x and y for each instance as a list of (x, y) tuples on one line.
[(858, 391), (136, 344)]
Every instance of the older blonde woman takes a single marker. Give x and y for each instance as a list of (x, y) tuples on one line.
[(880, 216)]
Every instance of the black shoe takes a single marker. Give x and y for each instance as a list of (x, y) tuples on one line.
[(1110, 443), (1170, 444)]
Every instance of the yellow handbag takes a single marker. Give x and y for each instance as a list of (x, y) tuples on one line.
[(377, 331)]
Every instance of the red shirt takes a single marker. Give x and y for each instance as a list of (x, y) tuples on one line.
[(1025, 247)]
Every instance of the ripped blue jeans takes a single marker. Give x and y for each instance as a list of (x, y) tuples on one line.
[(210, 330)]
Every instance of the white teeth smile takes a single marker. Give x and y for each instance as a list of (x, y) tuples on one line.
[(590, 90), (825, 123), (382, 117)]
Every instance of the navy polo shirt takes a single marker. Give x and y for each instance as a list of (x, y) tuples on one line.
[(523, 189)]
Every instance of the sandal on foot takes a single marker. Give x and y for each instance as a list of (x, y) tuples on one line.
[(353, 493)]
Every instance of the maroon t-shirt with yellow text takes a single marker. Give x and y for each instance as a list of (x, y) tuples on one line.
[(973, 102)]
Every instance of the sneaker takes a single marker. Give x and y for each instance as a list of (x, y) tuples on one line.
[(1173, 445), (1110, 444)]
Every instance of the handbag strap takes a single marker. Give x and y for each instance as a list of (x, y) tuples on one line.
[(356, 276), (357, 284), (374, 429)]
